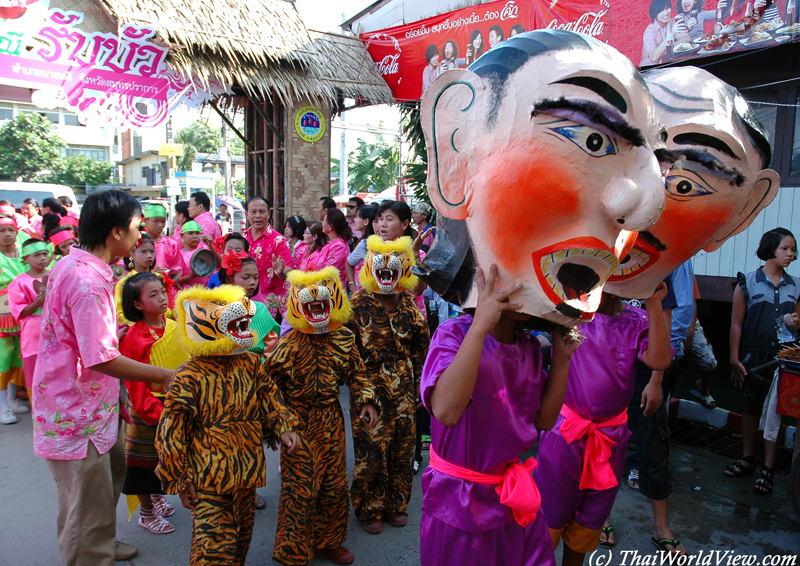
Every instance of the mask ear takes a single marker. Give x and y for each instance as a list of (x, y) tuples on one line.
[(448, 113), (763, 191)]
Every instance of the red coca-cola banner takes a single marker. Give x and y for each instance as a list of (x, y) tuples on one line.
[(409, 57)]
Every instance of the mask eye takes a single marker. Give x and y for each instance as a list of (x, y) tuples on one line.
[(300, 287), (588, 139), (680, 186), (395, 254)]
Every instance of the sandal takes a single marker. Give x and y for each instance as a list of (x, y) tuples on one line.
[(604, 543), (161, 506), (737, 469), (157, 526), (633, 478), (663, 543), (764, 483)]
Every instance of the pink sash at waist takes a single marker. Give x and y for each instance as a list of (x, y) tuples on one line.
[(597, 472), (515, 486)]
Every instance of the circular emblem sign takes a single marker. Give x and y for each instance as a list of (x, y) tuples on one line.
[(310, 123)]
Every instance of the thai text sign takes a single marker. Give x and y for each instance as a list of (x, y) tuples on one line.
[(409, 57), (120, 79)]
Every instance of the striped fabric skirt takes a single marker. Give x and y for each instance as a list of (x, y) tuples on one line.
[(140, 437)]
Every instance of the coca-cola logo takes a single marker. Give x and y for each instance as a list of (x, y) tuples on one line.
[(389, 65), (510, 11), (385, 51), (590, 23)]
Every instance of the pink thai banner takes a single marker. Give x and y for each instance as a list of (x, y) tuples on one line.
[(123, 80)]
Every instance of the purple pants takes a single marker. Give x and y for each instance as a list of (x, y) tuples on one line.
[(510, 545)]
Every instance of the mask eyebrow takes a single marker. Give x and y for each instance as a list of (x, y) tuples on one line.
[(712, 164), (601, 88), (695, 138), (604, 118)]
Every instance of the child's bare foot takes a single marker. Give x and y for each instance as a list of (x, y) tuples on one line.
[(155, 524)]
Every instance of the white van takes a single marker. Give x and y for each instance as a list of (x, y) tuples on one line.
[(17, 192)]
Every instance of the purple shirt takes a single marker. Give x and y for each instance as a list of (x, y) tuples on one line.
[(493, 431), (603, 369), (72, 404)]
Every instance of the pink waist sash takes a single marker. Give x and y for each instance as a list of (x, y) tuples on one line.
[(515, 486), (597, 472)]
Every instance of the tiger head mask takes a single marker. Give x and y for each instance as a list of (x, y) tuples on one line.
[(215, 322), (317, 302), (387, 268)]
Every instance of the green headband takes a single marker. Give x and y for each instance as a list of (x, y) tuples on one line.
[(155, 211), (190, 226), (34, 248)]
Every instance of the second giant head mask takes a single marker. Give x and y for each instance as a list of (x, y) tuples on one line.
[(717, 188), (545, 147)]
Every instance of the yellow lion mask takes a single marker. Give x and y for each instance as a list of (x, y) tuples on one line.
[(317, 303), (387, 267), (215, 322)]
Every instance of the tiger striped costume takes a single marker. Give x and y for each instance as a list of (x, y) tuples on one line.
[(393, 346), (315, 507), (217, 412)]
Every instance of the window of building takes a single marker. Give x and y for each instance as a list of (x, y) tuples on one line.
[(71, 119), (137, 143), (6, 111), (91, 151), (764, 103), (51, 113)]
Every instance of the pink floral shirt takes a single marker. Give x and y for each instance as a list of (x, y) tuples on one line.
[(271, 289), (72, 404), (208, 225), (168, 253)]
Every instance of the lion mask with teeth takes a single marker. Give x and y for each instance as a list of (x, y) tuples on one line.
[(215, 322), (387, 267), (317, 303)]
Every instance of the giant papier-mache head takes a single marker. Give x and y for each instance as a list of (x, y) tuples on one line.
[(546, 149), (215, 322), (387, 267), (714, 191), (317, 303)]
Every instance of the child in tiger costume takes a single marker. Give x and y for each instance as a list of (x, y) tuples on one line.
[(219, 408), (308, 365), (393, 338)]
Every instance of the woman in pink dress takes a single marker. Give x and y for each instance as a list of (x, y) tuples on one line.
[(335, 253)]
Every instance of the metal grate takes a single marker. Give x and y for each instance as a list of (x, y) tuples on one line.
[(723, 442)]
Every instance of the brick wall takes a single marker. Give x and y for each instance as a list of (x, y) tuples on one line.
[(308, 165)]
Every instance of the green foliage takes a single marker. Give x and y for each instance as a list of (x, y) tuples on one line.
[(198, 137), (415, 171), (27, 147), (236, 144), (238, 190), (373, 168), (79, 170)]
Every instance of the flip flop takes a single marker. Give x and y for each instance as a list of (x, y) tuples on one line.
[(604, 543), (662, 544), (706, 401)]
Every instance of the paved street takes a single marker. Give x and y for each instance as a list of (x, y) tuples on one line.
[(721, 515)]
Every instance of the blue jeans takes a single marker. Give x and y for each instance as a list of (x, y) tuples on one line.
[(650, 437)]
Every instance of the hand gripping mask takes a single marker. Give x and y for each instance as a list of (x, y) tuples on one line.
[(317, 303), (215, 322), (387, 268)]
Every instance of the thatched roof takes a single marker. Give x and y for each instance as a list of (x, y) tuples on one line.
[(260, 45)]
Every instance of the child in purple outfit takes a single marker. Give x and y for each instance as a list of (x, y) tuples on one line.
[(488, 396), (582, 458)]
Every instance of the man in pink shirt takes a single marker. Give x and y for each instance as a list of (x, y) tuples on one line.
[(75, 394), (266, 245), (199, 206)]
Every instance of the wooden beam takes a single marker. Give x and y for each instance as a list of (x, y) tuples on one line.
[(266, 119), (222, 115)]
